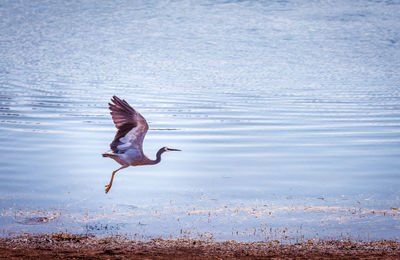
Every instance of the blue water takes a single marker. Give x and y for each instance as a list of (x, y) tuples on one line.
[(287, 114)]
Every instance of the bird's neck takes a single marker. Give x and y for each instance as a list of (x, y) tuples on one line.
[(158, 156)]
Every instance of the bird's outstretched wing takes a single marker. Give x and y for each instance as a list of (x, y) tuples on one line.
[(131, 125)]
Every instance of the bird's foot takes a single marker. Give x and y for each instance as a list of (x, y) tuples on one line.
[(108, 187)]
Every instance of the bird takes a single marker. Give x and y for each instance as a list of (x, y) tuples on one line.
[(127, 146)]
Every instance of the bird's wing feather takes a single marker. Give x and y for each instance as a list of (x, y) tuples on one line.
[(131, 125)]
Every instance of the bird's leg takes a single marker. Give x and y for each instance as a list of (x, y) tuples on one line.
[(108, 187)]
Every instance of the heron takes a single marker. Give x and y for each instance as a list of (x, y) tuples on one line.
[(127, 146)]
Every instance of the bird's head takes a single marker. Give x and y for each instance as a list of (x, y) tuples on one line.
[(166, 149), (162, 150)]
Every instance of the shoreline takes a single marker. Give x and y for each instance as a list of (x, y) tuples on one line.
[(89, 247)]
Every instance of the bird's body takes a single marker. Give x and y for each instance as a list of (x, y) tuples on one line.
[(127, 145)]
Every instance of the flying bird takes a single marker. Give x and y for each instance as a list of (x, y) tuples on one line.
[(127, 146)]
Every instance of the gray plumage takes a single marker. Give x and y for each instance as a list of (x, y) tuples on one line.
[(127, 145)]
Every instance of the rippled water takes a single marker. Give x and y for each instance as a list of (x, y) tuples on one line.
[(287, 113)]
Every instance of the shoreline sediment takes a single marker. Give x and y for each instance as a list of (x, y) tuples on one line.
[(89, 247)]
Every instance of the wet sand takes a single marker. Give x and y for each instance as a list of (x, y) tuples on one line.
[(69, 246)]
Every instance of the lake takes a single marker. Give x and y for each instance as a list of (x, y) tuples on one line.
[(287, 114)]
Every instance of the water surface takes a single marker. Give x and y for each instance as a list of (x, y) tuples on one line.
[(287, 113)]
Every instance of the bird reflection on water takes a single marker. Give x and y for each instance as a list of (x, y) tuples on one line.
[(127, 146)]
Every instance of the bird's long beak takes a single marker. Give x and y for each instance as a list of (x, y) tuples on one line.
[(170, 149)]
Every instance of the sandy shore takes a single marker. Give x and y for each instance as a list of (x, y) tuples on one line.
[(69, 246)]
